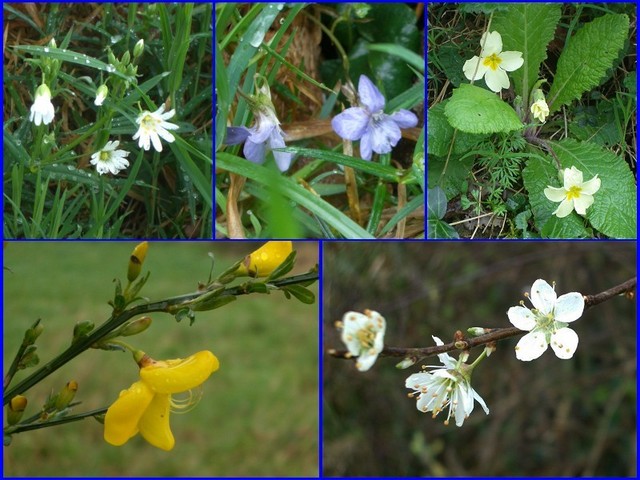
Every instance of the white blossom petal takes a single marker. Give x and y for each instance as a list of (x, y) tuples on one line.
[(543, 296), (531, 346), (564, 343), (569, 307), (592, 186), (522, 318), (511, 61), (581, 204), (555, 194), (496, 80), (470, 66)]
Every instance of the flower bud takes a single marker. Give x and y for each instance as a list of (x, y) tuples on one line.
[(126, 58), (539, 107), (66, 395), (138, 49), (477, 331), (32, 334), (52, 43), (136, 326), (15, 409), (136, 260), (406, 363), (101, 94), (266, 259), (112, 58), (490, 348)]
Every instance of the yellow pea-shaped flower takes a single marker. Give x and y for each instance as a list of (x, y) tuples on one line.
[(266, 259), (180, 375), (145, 406), (123, 416), (154, 424)]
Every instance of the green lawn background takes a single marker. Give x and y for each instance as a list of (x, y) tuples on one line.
[(258, 414)]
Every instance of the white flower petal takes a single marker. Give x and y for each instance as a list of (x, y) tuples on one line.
[(569, 307), (591, 187), (469, 68), (491, 43), (543, 296), (564, 209), (496, 80), (555, 194), (572, 176), (522, 318), (582, 203), (564, 343), (480, 400), (511, 61), (531, 346)]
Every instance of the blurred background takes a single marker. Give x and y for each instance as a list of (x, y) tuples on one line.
[(548, 417), (258, 415)]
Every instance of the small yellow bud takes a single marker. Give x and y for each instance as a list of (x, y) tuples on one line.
[(266, 259), (136, 260), (66, 395), (15, 409)]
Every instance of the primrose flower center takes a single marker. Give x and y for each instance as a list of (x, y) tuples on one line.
[(492, 61), (574, 192)]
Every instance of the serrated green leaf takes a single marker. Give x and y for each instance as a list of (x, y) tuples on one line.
[(587, 57), (473, 109), (440, 134), (527, 28)]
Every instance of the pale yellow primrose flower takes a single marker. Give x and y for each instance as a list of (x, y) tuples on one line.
[(145, 406), (540, 110), (493, 64), (363, 334), (152, 127), (574, 194)]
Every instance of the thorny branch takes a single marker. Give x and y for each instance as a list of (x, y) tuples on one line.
[(494, 334)]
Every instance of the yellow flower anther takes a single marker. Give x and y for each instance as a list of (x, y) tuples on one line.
[(146, 405), (136, 260), (266, 259)]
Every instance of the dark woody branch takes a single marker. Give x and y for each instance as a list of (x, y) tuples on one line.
[(493, 334)]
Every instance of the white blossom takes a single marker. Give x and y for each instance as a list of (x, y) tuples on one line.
[(152, 126), (363, 334), (108, 159)]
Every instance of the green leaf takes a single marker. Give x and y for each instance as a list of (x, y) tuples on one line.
[(587, 57), (527, 28), (473, 109), (294, 192), (412, 58), (437, 208), (454, 178), (440, 134), (613, 212), (303, 294)]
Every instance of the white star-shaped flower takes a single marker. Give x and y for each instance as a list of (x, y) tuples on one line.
[(547, 322), (363, 334), (447, 385), (152, 126), (574, 194), (493, 64), (108, 159)]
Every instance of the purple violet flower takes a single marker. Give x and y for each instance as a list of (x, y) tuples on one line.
[(368, 123), (264, 136)]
